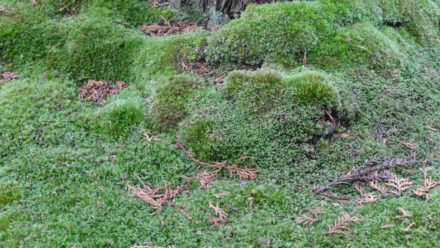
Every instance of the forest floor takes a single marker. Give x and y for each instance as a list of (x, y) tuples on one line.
[(302, 124)]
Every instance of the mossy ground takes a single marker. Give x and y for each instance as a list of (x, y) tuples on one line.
[(64, 163)]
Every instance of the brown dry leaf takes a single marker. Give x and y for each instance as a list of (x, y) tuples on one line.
[(169, 28), (98, 91), (315, 212), (243, 173), (407, 229), (399, 184), (218, 211), (199, 68), (428, 184), (160, 4), (367, 198), (306, 220), (149, 138), (222, 216), (342, 224), (205, 179), (156, 197), (8, 75), (344, 135), (405, 214), (336, 196), (378, 187)]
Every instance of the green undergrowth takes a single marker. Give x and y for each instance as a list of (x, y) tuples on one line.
[(131, 13), (340, 82)]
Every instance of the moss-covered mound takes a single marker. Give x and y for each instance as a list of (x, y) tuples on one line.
[(257, 109), (288, 32)]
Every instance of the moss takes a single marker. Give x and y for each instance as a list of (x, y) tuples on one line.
[(119, 117), (359, 45), (47, 39), (286, 30), (312, 88), (99, 49), (132, 12), (8, 193), (160, 58), (196, 133), (36, 112), (257, 91), (170, 99)]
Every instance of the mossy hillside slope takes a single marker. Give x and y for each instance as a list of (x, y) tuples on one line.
[(65, 163)]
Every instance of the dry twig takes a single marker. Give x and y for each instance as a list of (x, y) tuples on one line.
[(407, 229), (371, 170), (156, 197), (405, 214), (181, 211), (243, 173), (205, 179)]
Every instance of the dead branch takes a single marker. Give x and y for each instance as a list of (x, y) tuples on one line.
[(181, 211), (407, 229), (371, 170), (405, 214)]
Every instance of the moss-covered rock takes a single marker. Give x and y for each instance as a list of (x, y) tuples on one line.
[(170, 99), (99, 49), (286, 30), (257, 91), (361, 45), (119, 117), (313, 88)]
